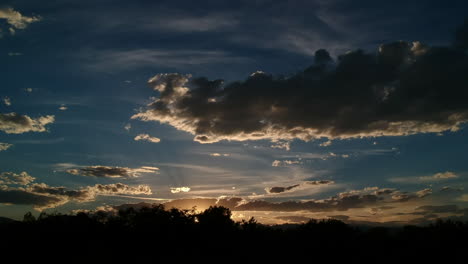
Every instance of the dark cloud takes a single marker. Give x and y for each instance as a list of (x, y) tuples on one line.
[(281, 189), (378, 198), (112, 172), (13, 123), (295, 186), (402, 89), (21, 189), (27, 198)]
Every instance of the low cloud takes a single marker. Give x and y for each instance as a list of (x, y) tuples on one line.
[(180, 189), (441, 176), (16, 20), (5, 146), (13, 123), (63, 108), (146, 137), (21, 189), (399, 90), (112, 172)]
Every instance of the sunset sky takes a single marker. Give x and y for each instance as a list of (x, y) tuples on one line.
[(281, 110)]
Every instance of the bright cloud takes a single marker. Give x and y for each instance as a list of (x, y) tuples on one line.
[(146, 137)]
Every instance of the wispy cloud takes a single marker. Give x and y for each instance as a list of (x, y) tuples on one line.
[(441, 176), (106, 60)]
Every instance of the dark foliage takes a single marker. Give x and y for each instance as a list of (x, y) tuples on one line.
[(213, 233)]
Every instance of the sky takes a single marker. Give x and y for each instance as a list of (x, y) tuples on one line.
[(280, 110)]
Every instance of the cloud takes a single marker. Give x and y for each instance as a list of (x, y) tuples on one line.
[(281, 189), (14, 54), (29, 90), (279, 163), (441, 176), (146, 137), (326, 143), (367, 197), (180, 189), (400, 90), (140, 58), (432, 209), (275, 190), (15, 196), (197, 24), (120, 188), (5, 146), (220, 154), (286, 145), (112, 172), (7, 101), (13, 123), (42, 196), (444, 175), (16, 20), (8, 178), (128, 127), (63, 108)]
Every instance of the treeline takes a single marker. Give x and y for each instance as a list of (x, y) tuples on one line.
[(214, 232)]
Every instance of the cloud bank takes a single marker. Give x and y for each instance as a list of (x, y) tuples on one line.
[(402, 89), (21, 189)]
